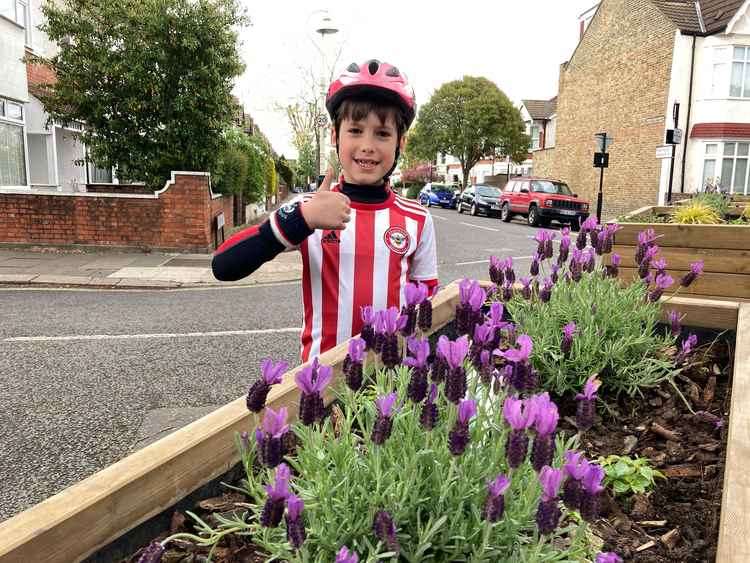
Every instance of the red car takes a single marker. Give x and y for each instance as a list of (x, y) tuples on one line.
[(541, 200)]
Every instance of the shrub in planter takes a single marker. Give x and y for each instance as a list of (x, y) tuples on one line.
[(583, 322)]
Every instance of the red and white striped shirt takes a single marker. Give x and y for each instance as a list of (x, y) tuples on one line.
[(383, 246)]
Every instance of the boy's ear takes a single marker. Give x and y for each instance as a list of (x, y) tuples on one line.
[(333, 136)]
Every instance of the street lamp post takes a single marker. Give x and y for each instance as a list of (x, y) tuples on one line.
[(323, 26), (601, 161)]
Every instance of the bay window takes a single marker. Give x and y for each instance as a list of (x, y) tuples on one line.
[(12, 145), (726, 164)]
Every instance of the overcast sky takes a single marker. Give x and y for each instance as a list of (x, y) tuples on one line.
[(518, 44)]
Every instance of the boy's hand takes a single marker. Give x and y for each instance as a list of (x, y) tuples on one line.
[(326, 209)]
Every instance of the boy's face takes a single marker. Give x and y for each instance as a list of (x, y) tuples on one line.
[(367, 148)]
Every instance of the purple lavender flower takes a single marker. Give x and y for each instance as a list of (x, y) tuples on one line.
[(696, 269), (586, 411), (494, 506), (660, 266), (526, 289), (484, 334), (548, 514), (687, 346), (663, 281), (420, 350), (385, 530), (391, 324), (519, 415), (590, 224), (534, 269), (311, 404), (415, 294), (574, 468), (496, 272), (295, 524), (458, 438), (613, 269), (368, 328), (352, 367), (381, 431), (607, 557), (270, 439), (507, 291), (546, 292), (428, 415), (152, 554), (545, 424), (273, 510), (562, 257), (674, 321), (454, 354), (345, 556), (485, 367), (271, 374), (468, 311), (581, 240), (424, 318), (510, 275), (591, 489), (569, 331)]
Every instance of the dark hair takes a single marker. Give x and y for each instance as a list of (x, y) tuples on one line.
[(358, 108)]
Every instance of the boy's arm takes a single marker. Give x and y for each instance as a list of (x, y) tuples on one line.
[(285, 229), (424, 263), (248, 250)]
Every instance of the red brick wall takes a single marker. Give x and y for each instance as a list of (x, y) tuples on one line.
[(180, 218)]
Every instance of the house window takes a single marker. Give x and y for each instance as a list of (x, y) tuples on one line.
[(739, 84), (12, 147), (19, 12), (726, 164), (535, 133)]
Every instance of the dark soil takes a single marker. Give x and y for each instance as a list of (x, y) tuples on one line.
[(678, 521)]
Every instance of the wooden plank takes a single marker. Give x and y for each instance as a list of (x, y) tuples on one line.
[(732, 286), (733, 237), (706, 313), (734, 525), (715, 260), (94, 512)]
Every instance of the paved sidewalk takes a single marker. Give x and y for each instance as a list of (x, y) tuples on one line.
[(122, 270)]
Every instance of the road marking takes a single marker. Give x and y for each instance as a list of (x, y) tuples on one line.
[(480, 227), (487, 261), (152, 290), (439, 217), (154, 335)]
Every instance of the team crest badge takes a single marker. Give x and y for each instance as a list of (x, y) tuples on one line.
[(397, 239)]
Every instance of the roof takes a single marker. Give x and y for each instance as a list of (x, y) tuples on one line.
[(704, 17), (541, 109)]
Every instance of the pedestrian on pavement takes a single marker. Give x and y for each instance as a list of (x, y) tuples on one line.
[(360, 242)]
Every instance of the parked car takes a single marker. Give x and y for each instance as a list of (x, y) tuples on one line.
[(437, 194), (541, 201), (480, 199)]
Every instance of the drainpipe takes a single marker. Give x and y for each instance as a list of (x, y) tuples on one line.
[(687, 124)]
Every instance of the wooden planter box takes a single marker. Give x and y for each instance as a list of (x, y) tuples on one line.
[(724, 249), (89, 515)]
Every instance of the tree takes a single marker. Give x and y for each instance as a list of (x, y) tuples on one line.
[(151, 80), (240, 167), (469, 119), (421, 172)]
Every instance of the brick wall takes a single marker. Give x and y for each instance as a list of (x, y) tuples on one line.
[(181, 217), (39, 74), (616, 81)]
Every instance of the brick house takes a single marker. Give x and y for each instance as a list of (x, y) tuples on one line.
[(635, 59)]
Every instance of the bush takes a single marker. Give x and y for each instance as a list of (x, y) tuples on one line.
[(412, 190), (232, 170), (716, 201), (696, 214)]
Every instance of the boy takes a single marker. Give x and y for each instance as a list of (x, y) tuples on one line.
[(360, 242)]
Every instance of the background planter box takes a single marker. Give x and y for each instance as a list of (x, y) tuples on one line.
[(82, 519), (725, 250)]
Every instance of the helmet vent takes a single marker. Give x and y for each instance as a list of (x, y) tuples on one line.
[(354, 67), (393, 71), (373, 67)]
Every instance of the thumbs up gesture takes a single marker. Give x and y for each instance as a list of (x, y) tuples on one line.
[(326, 209)]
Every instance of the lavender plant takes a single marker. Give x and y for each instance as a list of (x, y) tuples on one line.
[(588, 323)]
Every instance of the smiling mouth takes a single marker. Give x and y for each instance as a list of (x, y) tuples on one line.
[(366, 163)]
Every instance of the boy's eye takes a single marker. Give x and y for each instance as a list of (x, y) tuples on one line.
[(354, 130), (384, 133)]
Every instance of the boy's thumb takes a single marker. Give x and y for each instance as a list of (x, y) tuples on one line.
[(326, 185)]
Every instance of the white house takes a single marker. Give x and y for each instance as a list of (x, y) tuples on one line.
[(35, 154), (710, 80)]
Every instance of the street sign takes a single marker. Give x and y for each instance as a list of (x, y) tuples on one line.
[(603, 139), (673, 137), (601, 160), (664, 151)]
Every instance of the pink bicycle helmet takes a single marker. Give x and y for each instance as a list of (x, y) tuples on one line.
[(376, 78)]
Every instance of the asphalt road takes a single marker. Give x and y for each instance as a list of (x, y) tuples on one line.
[(88, 376)]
